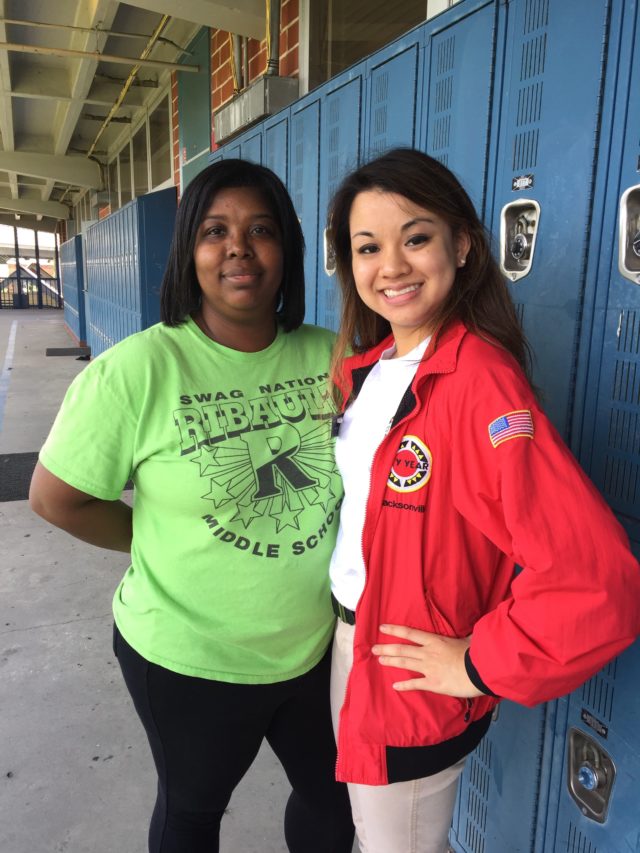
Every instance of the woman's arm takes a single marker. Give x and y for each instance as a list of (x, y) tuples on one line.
[(106, 524)]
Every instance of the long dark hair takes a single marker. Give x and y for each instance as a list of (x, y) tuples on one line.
[(180, 291), (479, 296)]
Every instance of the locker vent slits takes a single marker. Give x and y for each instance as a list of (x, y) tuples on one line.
[(579, 843), (536, 15), (534, 57), (621, 480), (626, 382), (629, 332), (477, 797), (525, 150), (624, 431), (446, 55), (598, 692), (443, 100), (381, 94), (529, 104)]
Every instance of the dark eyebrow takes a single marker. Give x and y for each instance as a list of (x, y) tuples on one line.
[(405, 227), (223, 217)]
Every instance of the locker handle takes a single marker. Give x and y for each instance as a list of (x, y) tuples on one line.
[(629, 234)]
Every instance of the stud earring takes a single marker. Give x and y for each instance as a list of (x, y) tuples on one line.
[(462, 262)]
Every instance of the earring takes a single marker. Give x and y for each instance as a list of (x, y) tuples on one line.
[(462, 262)]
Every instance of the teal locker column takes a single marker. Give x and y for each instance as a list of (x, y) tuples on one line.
[(304, 134), (340, 133)]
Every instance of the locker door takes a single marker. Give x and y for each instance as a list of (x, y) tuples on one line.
[(251, 146), (599, 776), (394, 81), (544, 167), (303, 186), (460, 52), (276, 144), (339, 154)]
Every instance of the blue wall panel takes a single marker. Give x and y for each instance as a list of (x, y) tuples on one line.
[(72, 274), (125, 258)]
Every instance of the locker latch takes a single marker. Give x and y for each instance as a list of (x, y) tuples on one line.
[(590, 775), (329, 255), (629, 235), (518, 229)]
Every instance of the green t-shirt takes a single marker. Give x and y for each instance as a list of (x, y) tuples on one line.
[(236, 495)]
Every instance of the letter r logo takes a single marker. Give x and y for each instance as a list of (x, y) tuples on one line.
[(273, 452)]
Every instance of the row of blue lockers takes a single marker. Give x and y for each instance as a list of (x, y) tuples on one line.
[(111, 277), (531, 103)]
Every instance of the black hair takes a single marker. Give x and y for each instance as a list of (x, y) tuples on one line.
[(180, 292)]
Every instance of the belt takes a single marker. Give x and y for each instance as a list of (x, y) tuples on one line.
[(342, 612)]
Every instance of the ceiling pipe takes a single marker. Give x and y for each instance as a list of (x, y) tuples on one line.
[(101, 57), (273, 38), (134, 71)]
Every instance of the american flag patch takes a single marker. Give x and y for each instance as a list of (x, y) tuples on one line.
[(512, 425)]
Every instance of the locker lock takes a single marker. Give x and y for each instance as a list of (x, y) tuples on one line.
[(629, 234), (519, 247), (590, 775), (519, 222)]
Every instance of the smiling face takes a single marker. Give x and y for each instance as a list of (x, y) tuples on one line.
[(404, 262), (238, 263)]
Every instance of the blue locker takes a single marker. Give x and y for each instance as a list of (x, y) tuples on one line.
[(459, 91), (126, 255), (304, 136), (72, 274), (393, 100), (340, 134), (276, 144), (549, 119), (251, 146)]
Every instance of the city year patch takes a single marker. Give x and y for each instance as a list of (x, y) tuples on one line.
[(411, 469)]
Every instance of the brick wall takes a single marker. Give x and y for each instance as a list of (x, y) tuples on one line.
[(222, 86)]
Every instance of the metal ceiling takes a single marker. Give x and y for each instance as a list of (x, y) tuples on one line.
[(74, 75)]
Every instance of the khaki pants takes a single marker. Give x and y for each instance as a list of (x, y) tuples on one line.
[(403, 817)]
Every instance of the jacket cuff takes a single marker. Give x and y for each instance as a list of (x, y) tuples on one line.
[(474, 676)]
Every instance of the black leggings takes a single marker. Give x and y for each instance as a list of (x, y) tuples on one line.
[(204, 736)]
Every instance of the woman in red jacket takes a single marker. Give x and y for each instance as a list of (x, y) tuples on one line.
[(452, 475)]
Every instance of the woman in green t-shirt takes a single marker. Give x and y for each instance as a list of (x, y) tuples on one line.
[(221, 417)]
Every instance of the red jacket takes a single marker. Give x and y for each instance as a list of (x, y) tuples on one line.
[(452, 508)]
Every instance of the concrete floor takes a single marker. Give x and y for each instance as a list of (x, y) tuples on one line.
[(75, 769)]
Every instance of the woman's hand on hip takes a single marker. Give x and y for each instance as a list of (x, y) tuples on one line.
[(439, 660)]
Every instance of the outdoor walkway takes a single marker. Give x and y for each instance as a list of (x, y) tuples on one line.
[(75, 770)]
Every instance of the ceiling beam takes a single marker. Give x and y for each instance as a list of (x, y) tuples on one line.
[(77, 171), (6, 109), (27, 205), (244, 17), (13, 47)]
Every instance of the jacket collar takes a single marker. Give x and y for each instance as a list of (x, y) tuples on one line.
[(440, 357)]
